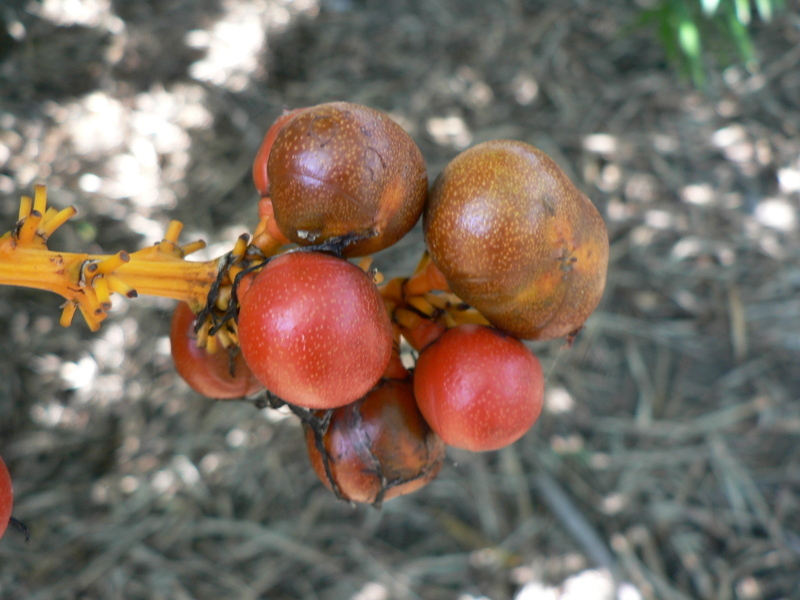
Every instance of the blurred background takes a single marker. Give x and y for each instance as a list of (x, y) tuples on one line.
[(667, 462)]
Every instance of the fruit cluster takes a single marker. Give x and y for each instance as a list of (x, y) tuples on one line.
[(514, 251)]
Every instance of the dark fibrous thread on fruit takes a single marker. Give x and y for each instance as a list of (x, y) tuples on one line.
[(336, 245), (209, 311), (572, 336), (387, 485), (317, 422), (233, 309), (364, 450), (318, 429), (21, 527), (232, 352), (319, 426)]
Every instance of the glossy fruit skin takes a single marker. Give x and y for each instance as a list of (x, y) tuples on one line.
[(340, 168), (379, 447), (6, 497), (517, 240), (314, 330), (260, 177), (223, 375), (479, 388)]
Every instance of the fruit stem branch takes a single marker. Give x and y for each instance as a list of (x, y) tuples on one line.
[(86, 281)]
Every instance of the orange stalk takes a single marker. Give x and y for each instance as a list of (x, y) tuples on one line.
[(426, 278), (86, 281), (69, 275)]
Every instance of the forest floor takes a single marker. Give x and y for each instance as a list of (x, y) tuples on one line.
[(666, 464)]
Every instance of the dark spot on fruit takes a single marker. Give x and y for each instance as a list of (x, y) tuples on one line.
[(322, 129), (373, 162)]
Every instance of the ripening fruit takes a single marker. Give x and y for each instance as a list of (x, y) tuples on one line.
[(223, 374), (338, 169), (260, 177), (6, 497), (479, 388), (314, 330), (517, 240), (378, 447)]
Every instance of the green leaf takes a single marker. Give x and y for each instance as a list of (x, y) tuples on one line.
[(766, 9), (741, 38), (689, 37), (743, 11)]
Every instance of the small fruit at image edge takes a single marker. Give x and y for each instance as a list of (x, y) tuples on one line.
[(6, 497)]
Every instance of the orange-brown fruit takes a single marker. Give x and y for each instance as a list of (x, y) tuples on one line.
[(222, 375), (378, 447), (517, 240), (339, 168)]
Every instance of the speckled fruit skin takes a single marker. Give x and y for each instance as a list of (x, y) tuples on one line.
[(6, 497), (341, 168), (314, 330), (260, 177), (478, 388), (379, 440), (221, 375), (517, 240)]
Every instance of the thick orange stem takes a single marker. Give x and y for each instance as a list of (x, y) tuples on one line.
[(75, 276)]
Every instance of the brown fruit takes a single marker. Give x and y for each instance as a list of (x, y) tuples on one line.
[(517, 240), (378, 447), (339, 168)]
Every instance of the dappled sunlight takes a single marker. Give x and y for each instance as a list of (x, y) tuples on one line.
[(450, 131), (234, 45), (586, 585), (88, 13), (777, 213)]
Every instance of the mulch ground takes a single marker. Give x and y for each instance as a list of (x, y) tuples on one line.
[(667, 459)]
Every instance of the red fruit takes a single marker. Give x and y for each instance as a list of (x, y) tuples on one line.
[(343, 169), (313, 329), (223, 374), (6, 497), (478, 388), (260, 177), (378, 447)]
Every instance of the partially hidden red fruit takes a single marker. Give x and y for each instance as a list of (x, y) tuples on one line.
[(517, 240), (260, 177), (223, 374), (314, 330), (6, 497), (378, 447), (266, 215), (342, 169), (479, 388)]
